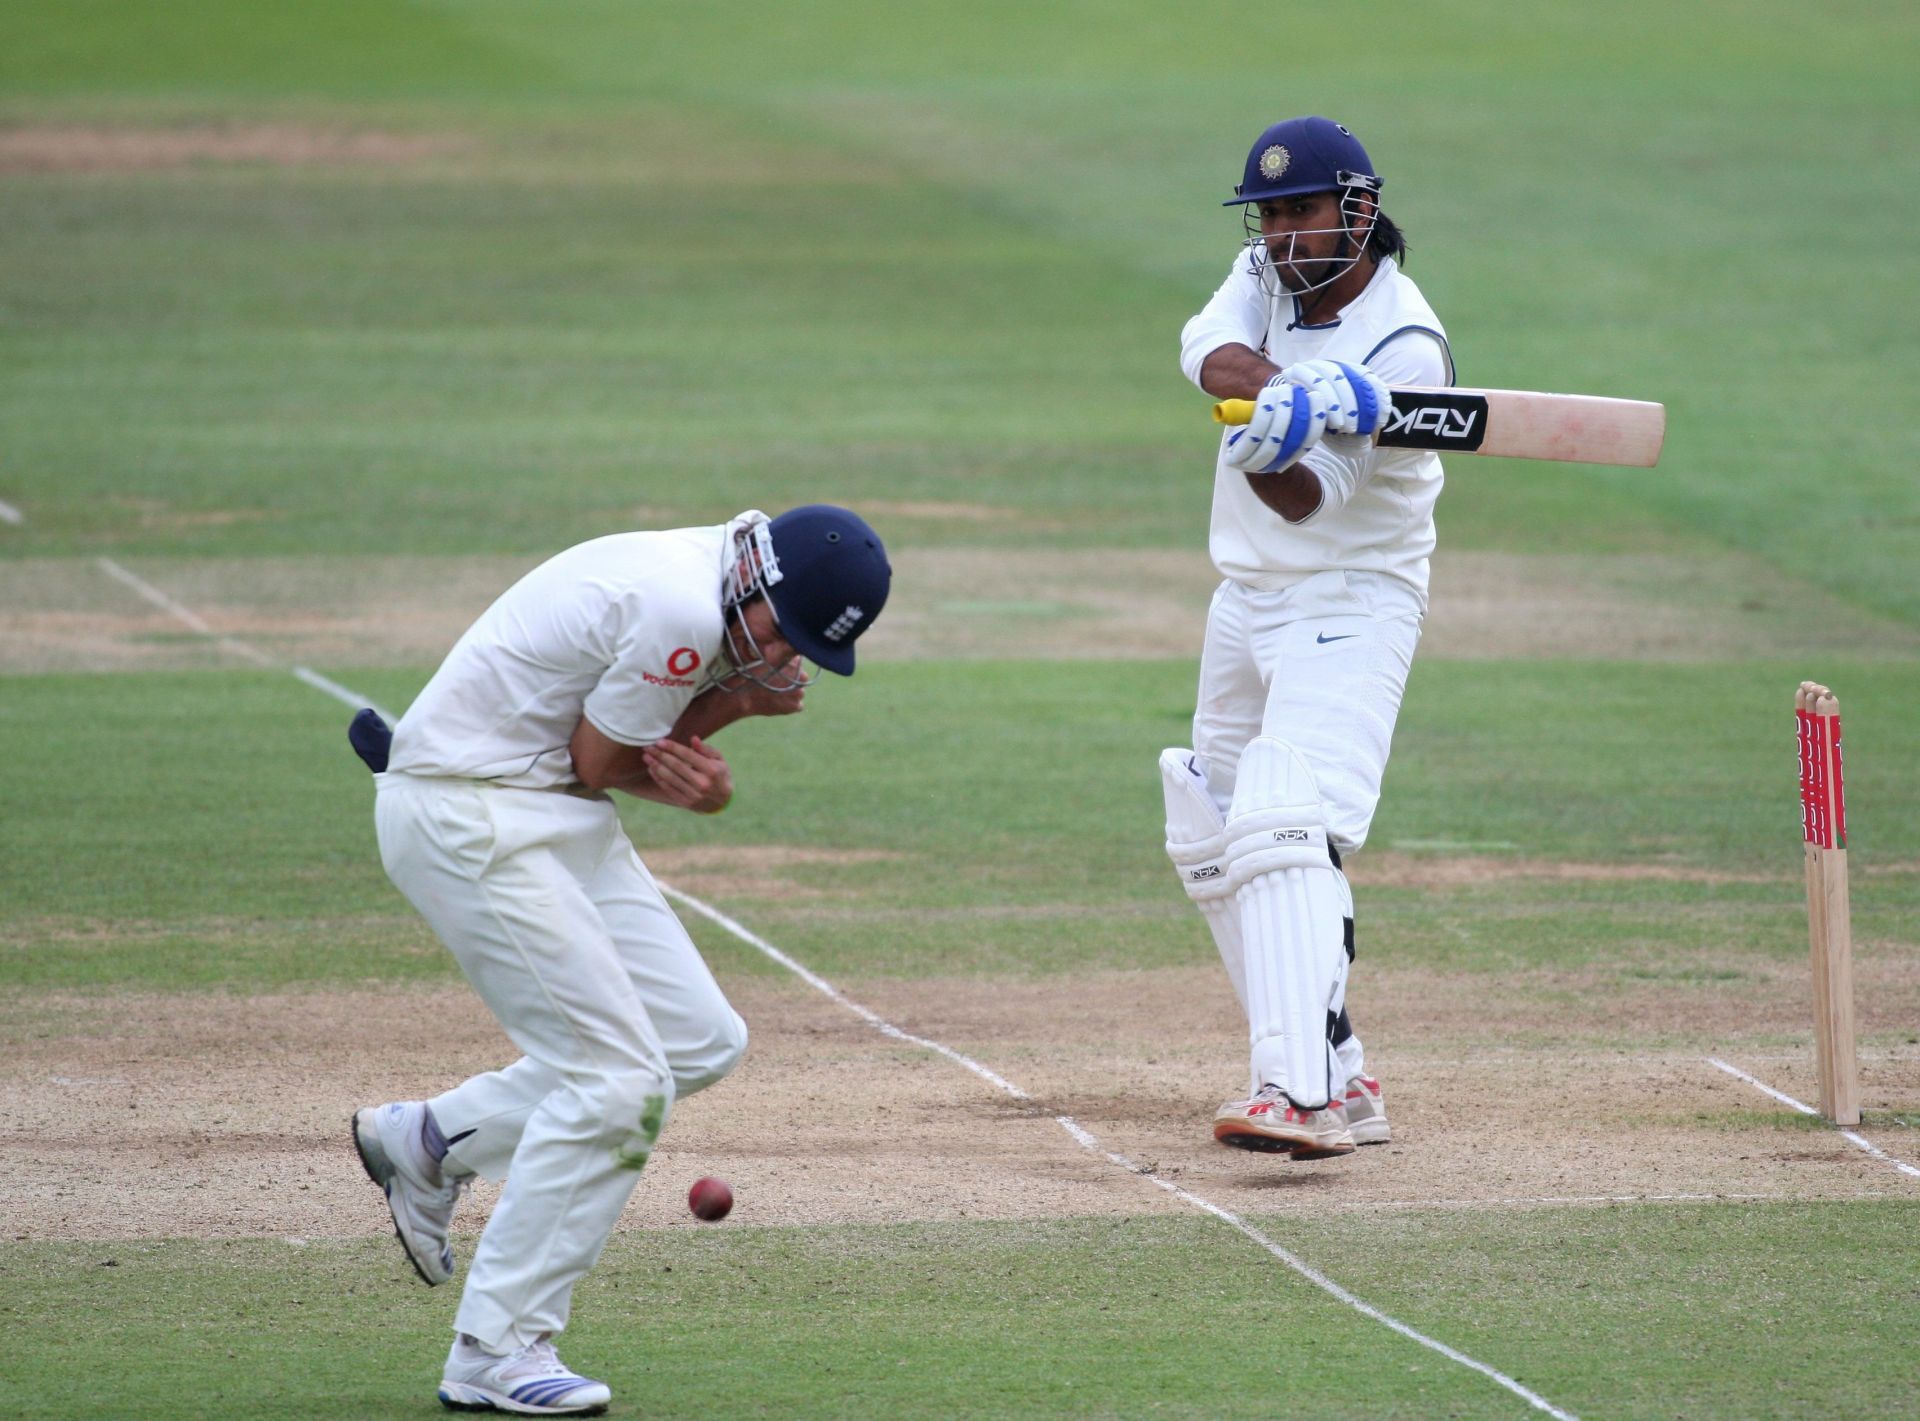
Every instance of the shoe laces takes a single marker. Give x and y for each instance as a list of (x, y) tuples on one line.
[(539, 1359), (447, 1193)]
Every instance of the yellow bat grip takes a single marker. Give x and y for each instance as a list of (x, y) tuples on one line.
[(1233, 412)]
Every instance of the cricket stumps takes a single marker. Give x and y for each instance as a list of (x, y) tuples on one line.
[(1823, 822)]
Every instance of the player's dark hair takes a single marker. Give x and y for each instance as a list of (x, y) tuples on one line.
[(1386, 239)]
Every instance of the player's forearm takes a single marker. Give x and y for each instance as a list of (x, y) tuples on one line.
[(602, 764), (626, 769), (1293, 493), (1236, 372), (711, 711), (638, 783)]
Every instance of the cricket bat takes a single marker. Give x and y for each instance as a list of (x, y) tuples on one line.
[(1515, 424)]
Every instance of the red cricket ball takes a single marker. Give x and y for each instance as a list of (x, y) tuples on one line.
[(710, 1198)]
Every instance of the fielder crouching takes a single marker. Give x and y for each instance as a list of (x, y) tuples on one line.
[(1321, 540), (605, 668)]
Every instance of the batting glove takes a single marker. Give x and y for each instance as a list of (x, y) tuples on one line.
[(1287, 421), (1358, 400)]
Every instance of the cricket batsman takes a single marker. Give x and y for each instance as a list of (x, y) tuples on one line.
[(1322, 542), (608, 667)]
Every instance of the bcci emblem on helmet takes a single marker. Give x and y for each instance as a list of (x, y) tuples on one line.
[(1274, 162)]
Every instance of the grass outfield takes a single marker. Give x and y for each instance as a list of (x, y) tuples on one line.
[(364, 296), (1114, 1318), (901, 771)]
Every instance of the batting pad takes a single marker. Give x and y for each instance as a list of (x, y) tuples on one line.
[(1197, 844), (1347, 1050), (1292, 920)]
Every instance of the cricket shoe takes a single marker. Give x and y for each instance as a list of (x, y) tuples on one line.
[(420, 1196), (1367, 1112), (1270, 1121), (530, 1382)]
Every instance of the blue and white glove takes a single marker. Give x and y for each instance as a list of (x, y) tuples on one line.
[(1288, 420), (1358, 400)]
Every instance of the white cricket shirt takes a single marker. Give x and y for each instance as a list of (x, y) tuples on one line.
[(621, 630), (1377, 511)]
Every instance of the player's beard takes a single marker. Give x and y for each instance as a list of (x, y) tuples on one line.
[(1300, 275)]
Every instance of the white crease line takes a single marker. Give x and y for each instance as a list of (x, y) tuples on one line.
[(189, 618), (1495, 1203), (1861, 1140), (10, 514), (1088, 1142), (887, 1028), (338, 692), (827, 989)]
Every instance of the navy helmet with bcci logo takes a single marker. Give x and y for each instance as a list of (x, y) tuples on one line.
[(1300, 155), (832, 583)]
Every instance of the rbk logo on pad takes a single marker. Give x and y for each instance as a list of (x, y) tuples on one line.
[(1292, 836)]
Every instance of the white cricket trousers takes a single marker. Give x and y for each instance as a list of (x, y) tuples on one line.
[(542, 900), (1321, 665)]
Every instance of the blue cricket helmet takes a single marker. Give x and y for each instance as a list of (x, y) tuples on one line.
[(833, 581), (1300, 155)]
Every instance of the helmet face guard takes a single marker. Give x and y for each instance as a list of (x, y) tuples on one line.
[(1359, 201), (753, 569)]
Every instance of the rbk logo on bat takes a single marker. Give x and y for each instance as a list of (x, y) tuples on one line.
[(1437, 420)]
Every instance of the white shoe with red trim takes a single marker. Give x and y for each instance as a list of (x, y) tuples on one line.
[(1270, 1121), (1367, 1112)]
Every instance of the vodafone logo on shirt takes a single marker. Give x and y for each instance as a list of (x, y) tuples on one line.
[(683, 661)]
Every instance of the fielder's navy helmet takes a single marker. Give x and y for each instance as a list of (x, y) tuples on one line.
[(833, 581), (1301, 155)]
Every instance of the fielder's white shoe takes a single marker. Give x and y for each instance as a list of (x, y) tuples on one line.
[(1270, 1121), (419, 1196), (530, 1382), (1367, 1112)]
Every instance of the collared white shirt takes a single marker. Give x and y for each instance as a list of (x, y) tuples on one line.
[(621, 630), (1376, 513)]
